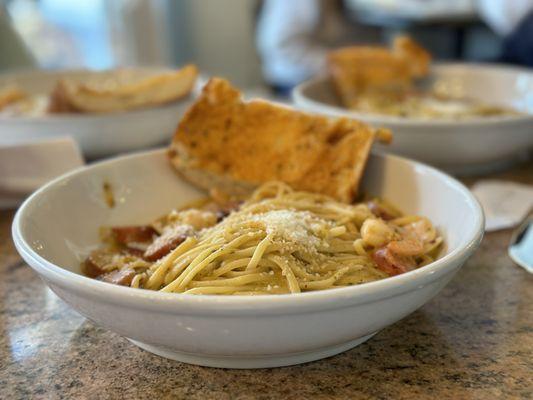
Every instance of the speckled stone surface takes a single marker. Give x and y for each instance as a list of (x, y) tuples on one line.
[(473, 341)]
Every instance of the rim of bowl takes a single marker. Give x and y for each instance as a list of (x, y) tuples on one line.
[(90, 117), (300, 99), (221, 304)]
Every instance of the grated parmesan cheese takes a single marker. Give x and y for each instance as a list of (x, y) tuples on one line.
[(298, 227)]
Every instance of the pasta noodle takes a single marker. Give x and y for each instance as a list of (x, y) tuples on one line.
[(285, 241)]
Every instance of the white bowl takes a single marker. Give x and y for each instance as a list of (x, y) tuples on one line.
[(475, 145), (98, 135), (58, 225)]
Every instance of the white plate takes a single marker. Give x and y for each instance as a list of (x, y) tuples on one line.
[(98, 135), (58, 225), (474, 145)]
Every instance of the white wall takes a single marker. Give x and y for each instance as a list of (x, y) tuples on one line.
[(222, 39), (217, 35)]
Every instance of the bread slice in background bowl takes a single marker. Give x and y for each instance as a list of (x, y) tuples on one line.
[(122, 90), (373, 71)]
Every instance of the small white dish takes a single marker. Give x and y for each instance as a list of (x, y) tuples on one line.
[(50, 158), (98, 135), (58, 225), (468, 146)]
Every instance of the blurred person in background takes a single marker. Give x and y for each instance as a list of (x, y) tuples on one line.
[(294, 36), (512, 20)]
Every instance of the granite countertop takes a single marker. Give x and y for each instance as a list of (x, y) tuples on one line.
[(473, 341)]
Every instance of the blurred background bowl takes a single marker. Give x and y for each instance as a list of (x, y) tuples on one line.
[(98, 135), (468, 146)]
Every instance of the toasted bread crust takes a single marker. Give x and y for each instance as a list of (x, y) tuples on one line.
[(11, 94), (102, 95), (417, 58), (369, 71), (225, 143)]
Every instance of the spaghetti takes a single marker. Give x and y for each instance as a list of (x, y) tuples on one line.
[(278, 241)]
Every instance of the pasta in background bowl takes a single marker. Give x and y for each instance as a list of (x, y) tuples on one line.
[(57, 228)]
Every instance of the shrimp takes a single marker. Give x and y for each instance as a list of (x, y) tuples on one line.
[(398, 256), (198, 219), (391, 263), (406, 247), (397, 249), (376, 233), (422, 230)]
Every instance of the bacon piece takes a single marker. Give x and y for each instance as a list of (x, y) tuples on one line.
[(91, 269), (95, 263), (391, 263), (171, 238), (135, 239), (119, 277), (133, 234)]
